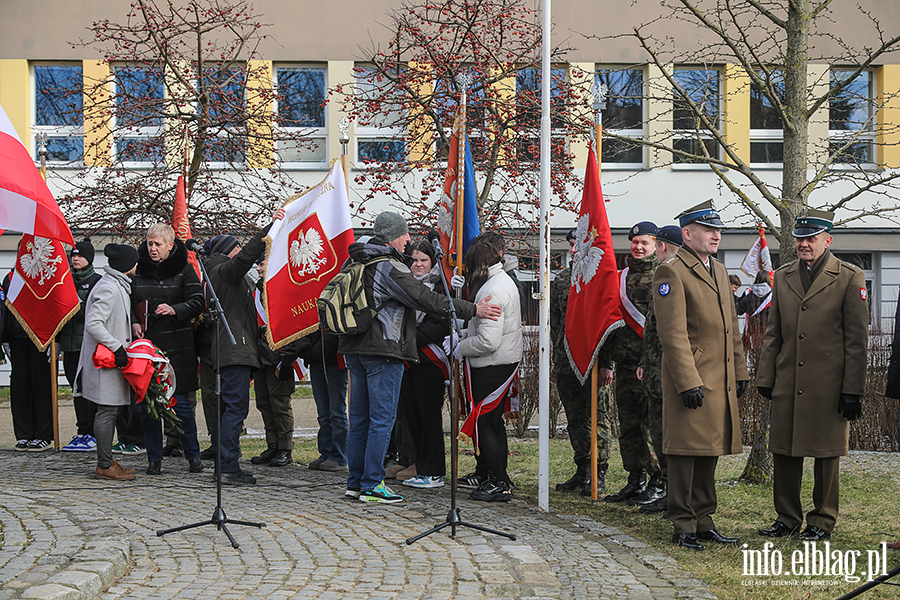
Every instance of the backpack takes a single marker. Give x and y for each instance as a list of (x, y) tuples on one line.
[(343, 307)]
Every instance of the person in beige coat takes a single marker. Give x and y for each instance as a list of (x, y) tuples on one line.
[(813, 367), (703, 374)]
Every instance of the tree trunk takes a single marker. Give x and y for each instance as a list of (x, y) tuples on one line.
[(758, 469)]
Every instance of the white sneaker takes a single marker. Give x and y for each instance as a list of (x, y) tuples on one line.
[(424, 481)]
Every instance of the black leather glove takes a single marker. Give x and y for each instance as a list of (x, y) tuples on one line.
[(285, 371), (693, 398), (742, 387), (850, 406), (121, 357), (764, 392)]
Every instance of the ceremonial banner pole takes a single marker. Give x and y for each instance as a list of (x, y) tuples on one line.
[(599, 92), (344, 126), (54, 392)]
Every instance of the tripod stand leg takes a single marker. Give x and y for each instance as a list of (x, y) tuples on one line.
[(162, 532)]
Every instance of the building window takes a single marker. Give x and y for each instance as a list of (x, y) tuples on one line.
[(138, 127), (226, 140), (528, 113), (446, 104), (59, 112), (851, 129), (766, 128), (623, 116), (301, 132), (380, 131), (690, 134)]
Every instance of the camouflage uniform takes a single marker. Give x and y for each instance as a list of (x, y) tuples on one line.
[(575, 397), (626, 348), (651, 362)]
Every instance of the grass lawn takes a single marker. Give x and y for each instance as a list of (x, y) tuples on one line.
[(870, 514)]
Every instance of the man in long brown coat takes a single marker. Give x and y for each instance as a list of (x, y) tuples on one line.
[(813, 367), (703, 374)]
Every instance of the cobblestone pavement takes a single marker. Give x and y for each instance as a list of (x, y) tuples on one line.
[(66, 535)]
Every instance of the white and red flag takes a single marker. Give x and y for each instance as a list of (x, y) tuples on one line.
[(26, 203), (758, 258), (42, 294), (593, 311), (304, 251)]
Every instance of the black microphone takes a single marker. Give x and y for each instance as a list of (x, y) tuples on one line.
[(435, 239), (194, 246)]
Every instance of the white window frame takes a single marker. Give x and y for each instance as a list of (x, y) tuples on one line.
[(218, 165), (144, 133), (767, 136), (635, 134), (868, 136), (317, 134), (374, 132), (555, 133), (54, 131), (681, 134)]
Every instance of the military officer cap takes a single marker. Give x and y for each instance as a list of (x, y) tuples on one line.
[(571, 235), (813, 222), (704, 214), (642, 228), (670, 234)]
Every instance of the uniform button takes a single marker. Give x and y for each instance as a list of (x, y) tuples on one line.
[(729, 389), (801, 363), (802, 336), (728, 359), (726, 331), (799, 392), (802, 308)]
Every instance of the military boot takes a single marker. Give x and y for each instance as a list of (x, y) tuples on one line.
[(656, 488), (660, 506), (581, 476), (637, 483), (601, 482)]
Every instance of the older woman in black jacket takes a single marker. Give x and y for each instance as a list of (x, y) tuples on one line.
[(167, 296)]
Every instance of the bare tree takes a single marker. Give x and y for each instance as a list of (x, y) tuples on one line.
[(181, 90)]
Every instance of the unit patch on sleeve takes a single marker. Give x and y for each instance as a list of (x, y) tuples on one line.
[(664, 289)]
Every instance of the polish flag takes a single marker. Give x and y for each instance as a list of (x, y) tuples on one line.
[(26, 203), (304, 251)]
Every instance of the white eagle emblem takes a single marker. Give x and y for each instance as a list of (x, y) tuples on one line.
[(37, 262), (305, 251), (587, 256)]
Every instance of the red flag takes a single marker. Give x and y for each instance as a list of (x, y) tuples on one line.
[(182, 225), (42, 295), (593, 310), (26, 203)]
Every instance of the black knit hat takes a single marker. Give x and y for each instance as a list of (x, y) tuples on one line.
[(85, 250), (221, 244), (122, 258)]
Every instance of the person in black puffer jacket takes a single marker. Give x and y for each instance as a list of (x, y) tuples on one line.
[(167, 295)]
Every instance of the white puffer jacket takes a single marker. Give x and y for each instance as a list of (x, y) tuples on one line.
[(488, 342)]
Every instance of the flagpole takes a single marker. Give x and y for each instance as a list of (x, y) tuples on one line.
[(54, 392), (463, 80), (599, 92), (344, 125), (544, 315)]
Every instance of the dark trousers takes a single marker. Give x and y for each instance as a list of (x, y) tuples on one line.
[(128, 426), (576, 400), (104, 427), (154, 436), (84, 408), (273, 400), (787, 477), (692, 492), (421, 404), (29, 392), (235, 405), (208, 395), (493, 447), (633, 404)]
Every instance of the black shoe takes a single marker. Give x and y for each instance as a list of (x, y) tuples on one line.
[(265, 456), (778, 530), (472, 480), (238, 478), (208, 454), (813, 534), (576, 481), (492, 490), (601, 482), (687, 540), (637, 483), (661, 505), (172, 451), (714, 536), (195, 466), (282, 458), (656, 489), (153, 468)]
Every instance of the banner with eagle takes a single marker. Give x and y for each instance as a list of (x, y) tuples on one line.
[(304, 251)]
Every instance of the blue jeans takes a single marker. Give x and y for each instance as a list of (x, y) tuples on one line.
[(329, 385), (153, 430), (235, 407), (374, 391)]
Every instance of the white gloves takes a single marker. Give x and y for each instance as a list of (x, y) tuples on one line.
[(457, 281), (451, 343)]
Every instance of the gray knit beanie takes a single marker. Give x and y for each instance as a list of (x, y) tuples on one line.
[(389, 226)]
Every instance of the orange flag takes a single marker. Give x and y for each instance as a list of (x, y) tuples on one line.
[(181, 224)]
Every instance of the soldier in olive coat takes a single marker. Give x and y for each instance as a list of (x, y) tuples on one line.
[(703, 374), (813, 367)]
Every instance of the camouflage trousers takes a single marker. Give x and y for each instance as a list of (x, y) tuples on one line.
[(576, 400), (653, 386), (633, 402)]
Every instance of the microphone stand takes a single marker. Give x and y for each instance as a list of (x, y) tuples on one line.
[(453, 519), (218, 517)]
